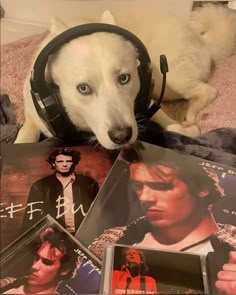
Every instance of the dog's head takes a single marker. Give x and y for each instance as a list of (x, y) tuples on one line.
[(99, 81)]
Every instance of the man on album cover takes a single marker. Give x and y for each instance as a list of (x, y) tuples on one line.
[(176, 200), (132, 278), (55, 261), (64, 195)]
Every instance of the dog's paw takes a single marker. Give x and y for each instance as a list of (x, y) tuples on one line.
[(187, 129)]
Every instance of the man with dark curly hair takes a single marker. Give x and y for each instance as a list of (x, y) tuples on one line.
[(176, 199), (64, 195), (55, 261)]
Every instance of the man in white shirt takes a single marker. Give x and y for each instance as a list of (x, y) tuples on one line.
[(176, 200), (64, 195)]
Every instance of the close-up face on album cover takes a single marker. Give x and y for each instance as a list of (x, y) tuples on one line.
[(161, 199), (48, 260), (152, 189)]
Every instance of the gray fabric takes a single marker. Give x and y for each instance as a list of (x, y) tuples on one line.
[(9, 129), (218, 145), (8, 133), (6, 114)]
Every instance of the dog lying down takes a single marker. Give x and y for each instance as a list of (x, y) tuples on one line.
[(98, 78)]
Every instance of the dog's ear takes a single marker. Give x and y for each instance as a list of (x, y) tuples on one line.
[(57, 26), (108, 18)]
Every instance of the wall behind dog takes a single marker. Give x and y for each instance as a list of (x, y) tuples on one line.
[(41, 11)]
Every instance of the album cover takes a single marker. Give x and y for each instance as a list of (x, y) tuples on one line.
[(135, 270), (47, 259), (163, 199), (43, 178)]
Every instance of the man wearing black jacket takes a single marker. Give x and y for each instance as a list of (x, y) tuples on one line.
[(64, 195)]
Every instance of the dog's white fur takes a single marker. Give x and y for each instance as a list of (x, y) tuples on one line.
[(100, 58)]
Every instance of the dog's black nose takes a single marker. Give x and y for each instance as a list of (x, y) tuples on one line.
[(120, 135)]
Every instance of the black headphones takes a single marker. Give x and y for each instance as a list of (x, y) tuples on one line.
[(46, 97)]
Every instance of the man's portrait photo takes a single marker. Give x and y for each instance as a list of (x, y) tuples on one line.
[(138, 270), (132, 276), (51, 262), (170, 199), (64, 194), (44, 179)]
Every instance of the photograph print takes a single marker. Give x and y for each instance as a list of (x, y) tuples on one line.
[(48, 260), (136, 270), (42, 179), (167, 201)]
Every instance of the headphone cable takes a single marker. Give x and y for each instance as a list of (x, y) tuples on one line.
[(164, 69)]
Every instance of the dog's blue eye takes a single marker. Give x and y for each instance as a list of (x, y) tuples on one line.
[(124, 78), (84, 89)]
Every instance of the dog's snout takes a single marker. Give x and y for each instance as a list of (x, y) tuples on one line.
[(120, 135)]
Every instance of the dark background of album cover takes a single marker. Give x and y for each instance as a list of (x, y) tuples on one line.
[(174, 273), (116, 204), (21, 167)]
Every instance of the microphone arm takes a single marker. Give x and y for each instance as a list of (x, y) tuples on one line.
[(157, 105)]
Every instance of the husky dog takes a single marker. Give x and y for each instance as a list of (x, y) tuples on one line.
[(98, 77)]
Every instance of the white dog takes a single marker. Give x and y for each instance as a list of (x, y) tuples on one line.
[(98, 77)]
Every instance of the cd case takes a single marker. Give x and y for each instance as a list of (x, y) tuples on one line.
[(46, 259), (43, 188), (136, 270)]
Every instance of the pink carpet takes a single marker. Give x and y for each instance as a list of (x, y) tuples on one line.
[(221, 112), (16, 60)]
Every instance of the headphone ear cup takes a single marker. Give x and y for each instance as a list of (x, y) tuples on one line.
[(41, 103), (143, 98), (56, 95), (59, 118), (51, 110)]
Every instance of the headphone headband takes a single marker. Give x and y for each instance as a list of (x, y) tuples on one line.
[(40, 64)]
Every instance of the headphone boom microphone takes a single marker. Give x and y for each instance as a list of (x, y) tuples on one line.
[(157, 105)]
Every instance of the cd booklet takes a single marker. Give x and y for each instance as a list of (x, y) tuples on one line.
[(48, 260), (136, 270)]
